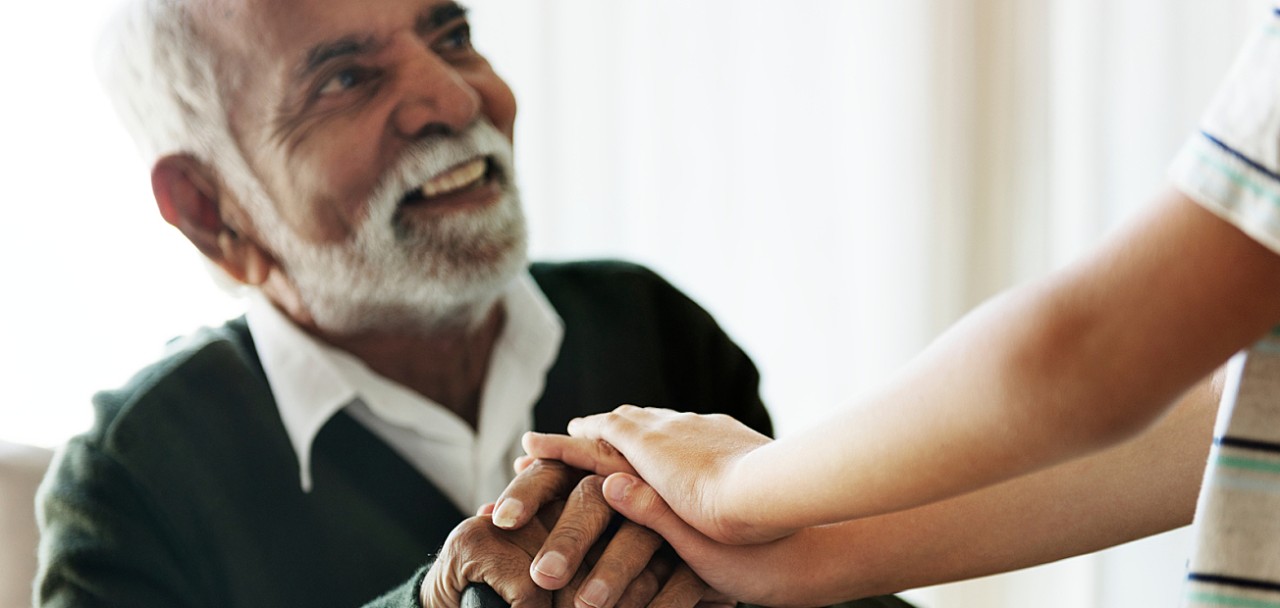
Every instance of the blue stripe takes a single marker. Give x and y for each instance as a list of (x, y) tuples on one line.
[(1234, 581), (1245, 159), (1248, 444)]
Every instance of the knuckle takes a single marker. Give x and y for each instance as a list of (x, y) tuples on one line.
[(542, 466), (571, 535), (472, 531), (606, 449), (642, 589), (685, 585), (634, 544), (590, 490)]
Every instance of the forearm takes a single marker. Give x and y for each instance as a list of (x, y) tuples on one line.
[(1044, 374), (1140, 487)]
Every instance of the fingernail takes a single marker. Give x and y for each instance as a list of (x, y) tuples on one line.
[(595, 594), (552, 565), (507, 512), (617, 487)]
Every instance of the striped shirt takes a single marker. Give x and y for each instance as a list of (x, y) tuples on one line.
[(1231, 168)]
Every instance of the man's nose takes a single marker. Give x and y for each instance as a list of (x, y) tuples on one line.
[(436, 98)]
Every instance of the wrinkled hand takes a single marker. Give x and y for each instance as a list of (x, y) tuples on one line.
[(479, 552), (629, 569), (766, 574), (693, 461)]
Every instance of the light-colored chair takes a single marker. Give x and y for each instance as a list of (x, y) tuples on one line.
[(21, 468)]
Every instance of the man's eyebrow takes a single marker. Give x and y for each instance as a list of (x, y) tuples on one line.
[(325, 52), (441, 15)]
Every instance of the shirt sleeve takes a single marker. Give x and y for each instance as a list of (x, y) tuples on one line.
[(1232, 166)]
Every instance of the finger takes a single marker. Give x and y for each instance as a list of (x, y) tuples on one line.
[(595, 455), (714, 598), (683, 589), (640, 591), (522, 462), (623, 560), (585, 517), (543, 481), (478, 552), (635, 500), (644, 587), (624, 422), (485, 509), (565, 597)]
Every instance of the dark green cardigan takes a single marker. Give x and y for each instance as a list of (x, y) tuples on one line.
[(186, 491)]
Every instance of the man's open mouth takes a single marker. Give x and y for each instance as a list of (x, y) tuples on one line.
[(461, 178)]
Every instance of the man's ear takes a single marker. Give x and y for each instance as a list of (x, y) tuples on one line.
[(190, 198)]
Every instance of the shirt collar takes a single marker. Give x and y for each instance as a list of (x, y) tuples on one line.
[(312, 381)]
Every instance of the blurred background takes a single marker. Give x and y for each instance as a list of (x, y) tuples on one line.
[(837, 181)]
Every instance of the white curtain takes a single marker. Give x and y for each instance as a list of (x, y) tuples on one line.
[(836, 180)]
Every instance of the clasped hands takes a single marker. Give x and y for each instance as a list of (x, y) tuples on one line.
[(569, 549)]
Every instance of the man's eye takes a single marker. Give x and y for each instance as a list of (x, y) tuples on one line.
[(458, 39), (342, 81)]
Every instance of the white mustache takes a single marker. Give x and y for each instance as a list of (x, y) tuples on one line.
[(436, 155)]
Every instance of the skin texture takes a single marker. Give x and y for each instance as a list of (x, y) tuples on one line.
[(634, 569), (1048, 372), (319, 144), (324, 98), (1143, 486)]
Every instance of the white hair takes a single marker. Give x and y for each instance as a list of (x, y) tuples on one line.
[(164, 80), (161, 77)]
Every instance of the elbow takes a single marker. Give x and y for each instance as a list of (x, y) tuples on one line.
[(1070, 370)]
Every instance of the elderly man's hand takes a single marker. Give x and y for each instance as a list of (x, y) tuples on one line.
[(631, 569), (478, 552)]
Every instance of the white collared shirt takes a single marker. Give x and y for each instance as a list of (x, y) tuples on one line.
[(312, 381)]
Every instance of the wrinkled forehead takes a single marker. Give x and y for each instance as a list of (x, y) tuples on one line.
[(251, 35), (259, 39)]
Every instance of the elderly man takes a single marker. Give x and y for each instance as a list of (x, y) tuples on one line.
[(350, 162)]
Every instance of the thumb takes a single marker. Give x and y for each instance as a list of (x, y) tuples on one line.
[(637, 501)]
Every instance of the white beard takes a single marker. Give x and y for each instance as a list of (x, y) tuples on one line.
[(397, 276)]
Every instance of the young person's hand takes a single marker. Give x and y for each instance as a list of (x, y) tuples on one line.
[(693, 461)]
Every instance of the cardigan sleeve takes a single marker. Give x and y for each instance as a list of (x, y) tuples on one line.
[(102, 543), (105, 543)]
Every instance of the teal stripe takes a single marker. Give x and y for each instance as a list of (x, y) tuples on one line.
[(1226, 600), (1248, 464), (1238, 178)]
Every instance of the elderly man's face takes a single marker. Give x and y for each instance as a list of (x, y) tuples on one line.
[(381, 138)]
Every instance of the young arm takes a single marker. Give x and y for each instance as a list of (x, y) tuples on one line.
[(1137, 488), (1047, 372)]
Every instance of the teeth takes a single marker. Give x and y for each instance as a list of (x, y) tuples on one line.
[(454, 179)]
